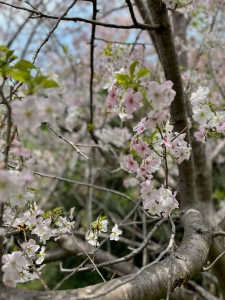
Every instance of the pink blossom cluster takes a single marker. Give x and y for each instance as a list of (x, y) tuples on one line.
[(19, 265), (149, 158), (153, 140), (160, 96), (125, 104), (13, 186), (22, 265), (158, 202), (209, 120), (30, 112)]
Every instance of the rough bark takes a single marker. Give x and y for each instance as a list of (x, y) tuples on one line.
[(202, 163), (169, 60)]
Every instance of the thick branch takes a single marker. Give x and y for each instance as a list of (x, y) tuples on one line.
[(169, 60), (150, 283)]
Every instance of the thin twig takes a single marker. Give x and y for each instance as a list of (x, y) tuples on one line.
[(97, 187), (214, 262), (42, 15), (124, 43), (201, 291), (67, 141), (52, 30), (130, 255)]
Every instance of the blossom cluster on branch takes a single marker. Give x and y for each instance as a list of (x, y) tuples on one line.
[(211, 122), (154, 142)]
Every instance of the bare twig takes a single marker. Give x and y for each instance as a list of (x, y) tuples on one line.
[(52, 30), (130, 255), (97, 187), (202, 291), (214, 262), (124, 43), (67, 141), (42, 15)]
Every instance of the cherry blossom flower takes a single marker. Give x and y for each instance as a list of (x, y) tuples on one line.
[(112, 98), (132, 101), (203, 115), (41, 256), (156, 116), (200, 135), (26, 114), (146, 186), (154, 161), (13, 265), (134, 143), (50, 108), (144, 170), (92, 238), (218, 121), (130, 182), (115, 233), (130, 163), (142, 148), (140, 127), (30, 247), (10, 184), (200, 96), (161, 201), (21, 199), (166, 142), (21, 152), (161, 95), (153, 207)]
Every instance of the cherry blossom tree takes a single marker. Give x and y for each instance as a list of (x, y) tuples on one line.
[(125, 102)]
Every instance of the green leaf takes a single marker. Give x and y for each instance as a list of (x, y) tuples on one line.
[(122, 78), (4, 48), (108, 51), (214, 134), (39, 79), (151, 137), (9, 54), (24, 65), (49, 83), (143, 72), (133, 67), (146, 103), (21, 75), (65, 49)]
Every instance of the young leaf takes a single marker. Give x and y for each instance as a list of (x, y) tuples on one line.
[(146, 103), (143, 72), (122, 78), (49, 83), (21, 75), (133, 67), (24, 65)]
